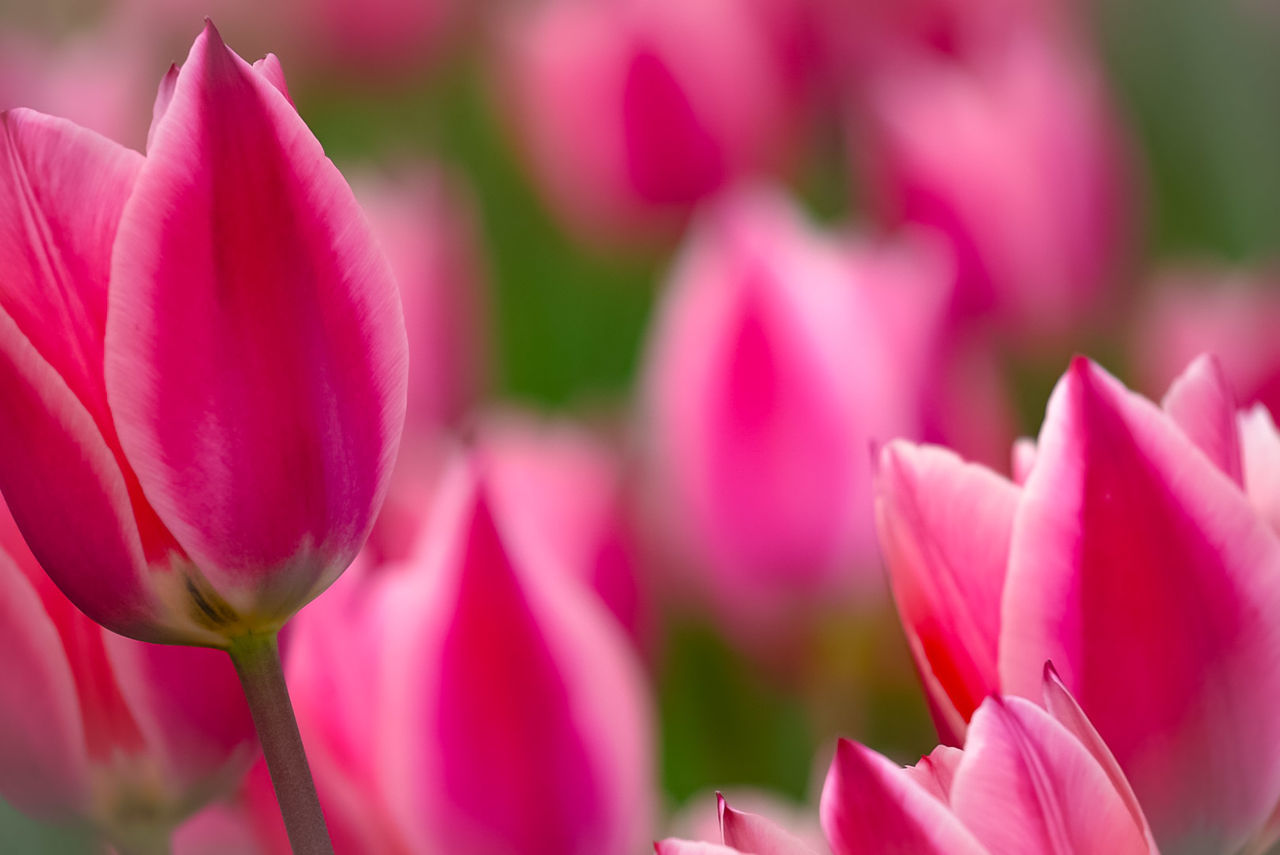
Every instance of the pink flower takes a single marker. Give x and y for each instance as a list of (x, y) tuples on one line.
[(472, 700), (778, 356), (1131, 557), (1029, 780), (741, 832), (424, 221), (1015, 157), (123, 737), (632, 112), (1200, 309), (203, 357)]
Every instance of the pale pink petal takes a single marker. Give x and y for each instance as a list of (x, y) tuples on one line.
[(255, 356), (753, 834), (870, 805), (1260, 447), (44, 763), (1058, 701), (1140, 570), (936, 770), (944, 533), (1026, 784), (1200, 401)]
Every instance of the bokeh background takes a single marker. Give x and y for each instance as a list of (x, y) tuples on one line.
[(1094, 178)]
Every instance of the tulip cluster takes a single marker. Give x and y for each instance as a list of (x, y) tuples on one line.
[(356, 511)]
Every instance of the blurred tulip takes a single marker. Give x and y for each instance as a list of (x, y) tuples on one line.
[(1027, 781), (562, 492), (632, 112), (426, 227), (1131, 558), (1231, 314), (778, 356), (1015, 157), (124, 737), (203, 355), (472, 701)]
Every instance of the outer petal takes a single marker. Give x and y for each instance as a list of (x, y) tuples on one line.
[(1026, 784), (1143, 574), (1260, 446), (521, 726), (255, 357), (1200, 401), (44, 764), (59, 206), (944, 533), (755, 835), (871, 805)]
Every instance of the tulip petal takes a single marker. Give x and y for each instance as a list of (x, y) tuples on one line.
[(690, 847), (524, 728), (944, 532), (255, 350), (43, 756), (1026, 784), (1058, 701), (936, 770), (1260, 449), (1139, 569), (1200, 401), (871, 805), (755, 835)]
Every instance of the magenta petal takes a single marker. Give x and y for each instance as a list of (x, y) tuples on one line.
[(255, 357), (871, 805), (944, 532), (1140, 570), (164, 96), (520, 724), (1200, 401), (44, 765), (1026, 784), (756, 835), (273, 72)]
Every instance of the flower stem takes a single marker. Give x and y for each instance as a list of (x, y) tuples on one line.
[(257, 661)]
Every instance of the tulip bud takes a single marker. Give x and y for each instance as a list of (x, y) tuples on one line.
[(203, 355), (1014, 157), (470, 700), (777, 358), (633, 112)]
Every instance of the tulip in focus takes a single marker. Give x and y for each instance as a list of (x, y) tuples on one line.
[(778, 356), (632, 112), (203, 357), (121, 737), (473, 699), (1015, 157), (1138, 555)]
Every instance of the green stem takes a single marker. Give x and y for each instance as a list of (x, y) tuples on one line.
[(257, 661)]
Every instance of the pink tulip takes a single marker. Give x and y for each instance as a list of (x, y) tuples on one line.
[(1027, 781), (632, 112), (1231, 314), (123, 737), (1015, 157), (471, 700), (778, 356), (1132, 558), (203, 357), (425, 224)]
